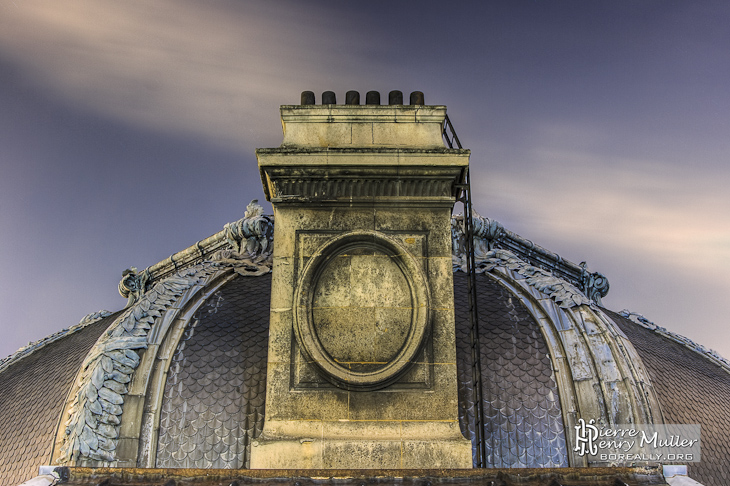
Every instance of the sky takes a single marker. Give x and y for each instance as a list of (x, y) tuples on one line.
[(598, 129)]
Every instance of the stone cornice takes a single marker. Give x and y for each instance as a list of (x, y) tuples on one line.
[(427, 179), (361, 188)]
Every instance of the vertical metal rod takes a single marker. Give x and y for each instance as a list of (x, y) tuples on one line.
[(464, 196), (474, 315)]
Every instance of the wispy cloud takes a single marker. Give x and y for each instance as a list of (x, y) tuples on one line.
[(658, 230), (178, 66), (663, 211), (584, 142)]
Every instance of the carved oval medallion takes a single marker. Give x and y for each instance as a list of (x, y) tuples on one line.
[(362, 310)]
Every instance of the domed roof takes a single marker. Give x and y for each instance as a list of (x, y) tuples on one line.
[(693, 385), (540, 335), (373, 334), (35, 383)]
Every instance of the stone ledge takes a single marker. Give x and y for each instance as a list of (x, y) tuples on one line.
[(631, 476)]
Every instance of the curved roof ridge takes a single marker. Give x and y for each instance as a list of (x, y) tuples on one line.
[(563, 292), (127, 334), (700, 349), (252, 235), (34, 346), (490, 235)]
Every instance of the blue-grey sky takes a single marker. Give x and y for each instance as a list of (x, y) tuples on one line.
[(599, 130)]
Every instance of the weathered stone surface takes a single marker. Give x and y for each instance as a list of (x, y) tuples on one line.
[(362, 308), (362, 324), (353, 289), (316, 126)]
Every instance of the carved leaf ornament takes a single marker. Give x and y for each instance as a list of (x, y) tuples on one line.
[(96, 409), (487, 233), (254, 234), (94, 415), (564, 293)]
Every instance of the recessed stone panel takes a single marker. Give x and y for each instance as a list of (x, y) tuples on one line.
[(362, 309)]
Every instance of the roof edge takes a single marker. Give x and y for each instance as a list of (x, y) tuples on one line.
[(490, 235), (252, 235), (698, 348), (594, 476), (34, 346)]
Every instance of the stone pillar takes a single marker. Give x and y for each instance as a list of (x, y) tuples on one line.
[(362, 361)]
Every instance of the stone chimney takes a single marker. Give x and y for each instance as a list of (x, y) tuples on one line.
[(362, 365)]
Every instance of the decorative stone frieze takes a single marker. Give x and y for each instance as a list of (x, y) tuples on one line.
[(564, 293), (96, 403), (341, 175), (390, 182)]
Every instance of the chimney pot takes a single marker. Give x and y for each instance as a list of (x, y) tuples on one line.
[(395, 97), (307, 97), (372, 98), (417, 98), (329, 98), (352, 98)]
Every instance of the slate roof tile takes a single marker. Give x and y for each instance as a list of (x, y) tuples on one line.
[(518, 399), (692, 390), (33, 392), (219, 373)]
